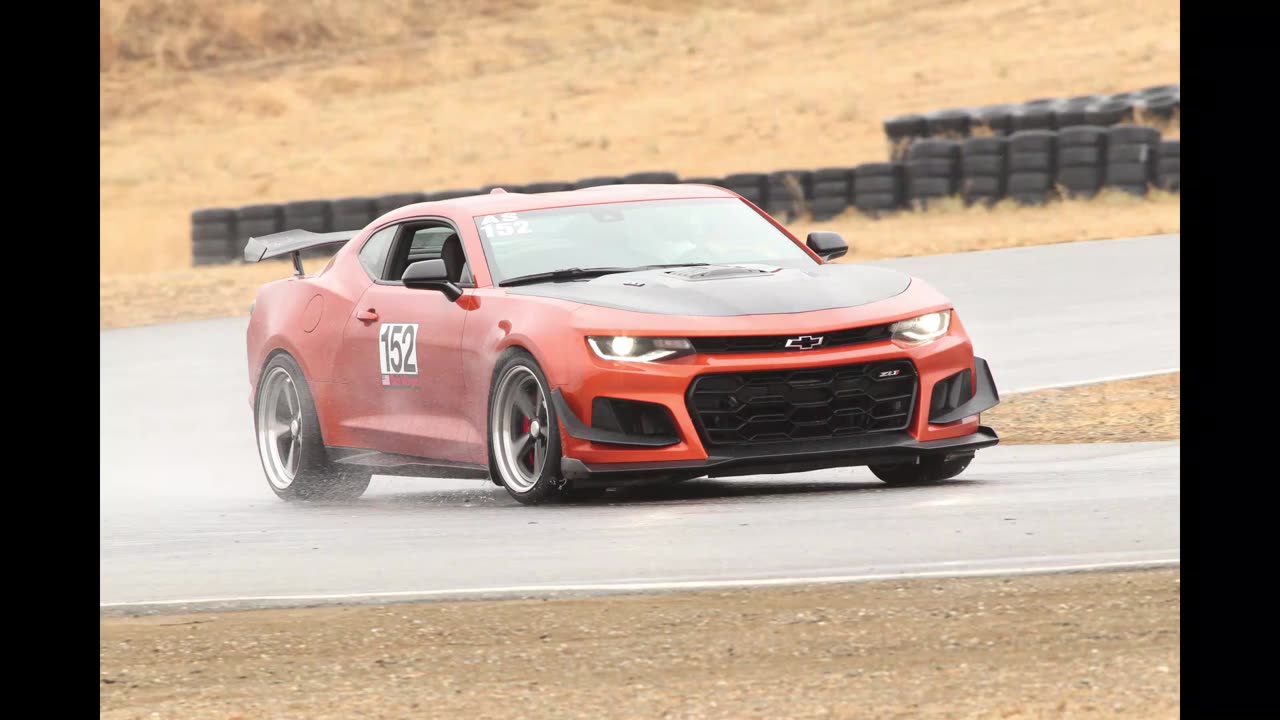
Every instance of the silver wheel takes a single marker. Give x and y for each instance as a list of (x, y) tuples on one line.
[(280, 428), (520, 428)]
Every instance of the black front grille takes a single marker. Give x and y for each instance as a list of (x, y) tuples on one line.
[(810, 404), (778, 343)]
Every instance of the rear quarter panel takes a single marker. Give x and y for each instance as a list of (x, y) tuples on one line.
[(283, 320)]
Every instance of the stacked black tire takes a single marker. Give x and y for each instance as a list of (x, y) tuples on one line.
[(786, 192), (353, 213), (831, 192), (1161, 105), (1131, 157), (932, 171), (993, 120), (311, 215), (596, 181), (1169, 166), (983, 166), (1081, 160), (751, 186), (1035, 115), (1156, 105), (902, 131), (1074, 111), (1031, 166), (659, 177), (507, 187), (213, 235), (545, 187), (387, 203), (1113, 111), (953, 124), (451, 194), (255, 221), (878, 188), (1007, 155)]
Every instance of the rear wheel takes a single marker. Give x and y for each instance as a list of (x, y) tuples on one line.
[(927, 471), (524, 434), (289, 441)]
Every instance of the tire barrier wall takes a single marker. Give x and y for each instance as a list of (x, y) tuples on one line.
[(1159, 105), (1031, 166)]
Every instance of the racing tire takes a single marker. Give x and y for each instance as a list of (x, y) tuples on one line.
[(289, 442), (523, 431), (928, 471)]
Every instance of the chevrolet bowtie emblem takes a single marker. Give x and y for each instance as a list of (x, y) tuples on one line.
[(804, 342)]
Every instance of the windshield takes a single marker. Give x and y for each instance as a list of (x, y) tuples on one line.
[(633, 234)]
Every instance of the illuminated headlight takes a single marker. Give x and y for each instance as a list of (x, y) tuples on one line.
[(639, 349), (922, 329)]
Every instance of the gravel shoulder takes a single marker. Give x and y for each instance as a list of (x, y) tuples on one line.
[(1143, 410), (1093, 645)]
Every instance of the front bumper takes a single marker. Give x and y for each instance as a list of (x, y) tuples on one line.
[(870, 449), (610, 457)]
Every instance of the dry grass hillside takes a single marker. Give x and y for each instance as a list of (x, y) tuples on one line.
[(208, 103)]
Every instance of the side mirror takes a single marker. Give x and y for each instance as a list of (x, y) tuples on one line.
[(828, 245), (431, 275)]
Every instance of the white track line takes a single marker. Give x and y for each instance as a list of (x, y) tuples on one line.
[(655, 586), (1095, 381)]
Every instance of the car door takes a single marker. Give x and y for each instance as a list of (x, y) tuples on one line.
[(401, 351)]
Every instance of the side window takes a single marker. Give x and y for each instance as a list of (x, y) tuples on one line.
[(428, 239), (427, 242), (373, 256)]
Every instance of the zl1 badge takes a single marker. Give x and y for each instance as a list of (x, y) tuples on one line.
[(398, 355)]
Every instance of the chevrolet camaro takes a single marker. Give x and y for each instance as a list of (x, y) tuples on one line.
[(565, 342)]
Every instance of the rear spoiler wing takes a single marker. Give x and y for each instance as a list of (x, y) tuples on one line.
[(292, 242)]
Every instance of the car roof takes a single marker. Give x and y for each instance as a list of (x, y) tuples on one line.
[(501, 202)]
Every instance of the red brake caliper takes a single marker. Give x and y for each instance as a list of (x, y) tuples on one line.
[(524, 427)]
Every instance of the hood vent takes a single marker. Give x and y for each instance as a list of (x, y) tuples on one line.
[(721, 272)]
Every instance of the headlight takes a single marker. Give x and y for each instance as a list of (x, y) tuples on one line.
[(921, 330), (639, 349)]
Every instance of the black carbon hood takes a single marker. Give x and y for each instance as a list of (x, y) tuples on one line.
[(728, 290)]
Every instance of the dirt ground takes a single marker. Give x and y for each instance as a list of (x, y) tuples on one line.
[(224, 103), (1095, 645), (1143, 410)]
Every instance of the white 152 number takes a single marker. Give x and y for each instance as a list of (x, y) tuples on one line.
[(503, 225), (398, 349)]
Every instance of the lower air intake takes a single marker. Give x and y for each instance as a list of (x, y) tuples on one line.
[(809, 404)]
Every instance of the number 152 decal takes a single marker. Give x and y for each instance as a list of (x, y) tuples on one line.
[(504, 224), (398, 354)]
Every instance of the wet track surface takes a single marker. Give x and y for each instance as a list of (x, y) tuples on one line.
[(186, 515)]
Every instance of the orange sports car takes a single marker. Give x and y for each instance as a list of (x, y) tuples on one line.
[(568, 341)]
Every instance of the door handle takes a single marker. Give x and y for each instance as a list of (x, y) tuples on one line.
[(367, 316)]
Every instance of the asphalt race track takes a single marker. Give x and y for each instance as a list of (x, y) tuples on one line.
[(187, 519)]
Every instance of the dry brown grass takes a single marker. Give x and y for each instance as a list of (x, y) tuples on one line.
[(143, 35), (559, 89), (208, 292)]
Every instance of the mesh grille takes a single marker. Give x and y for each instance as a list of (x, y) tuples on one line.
[(809, 404)]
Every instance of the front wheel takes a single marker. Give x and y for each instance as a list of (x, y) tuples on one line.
[(289, 441), (928, 471), (524, 434)]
